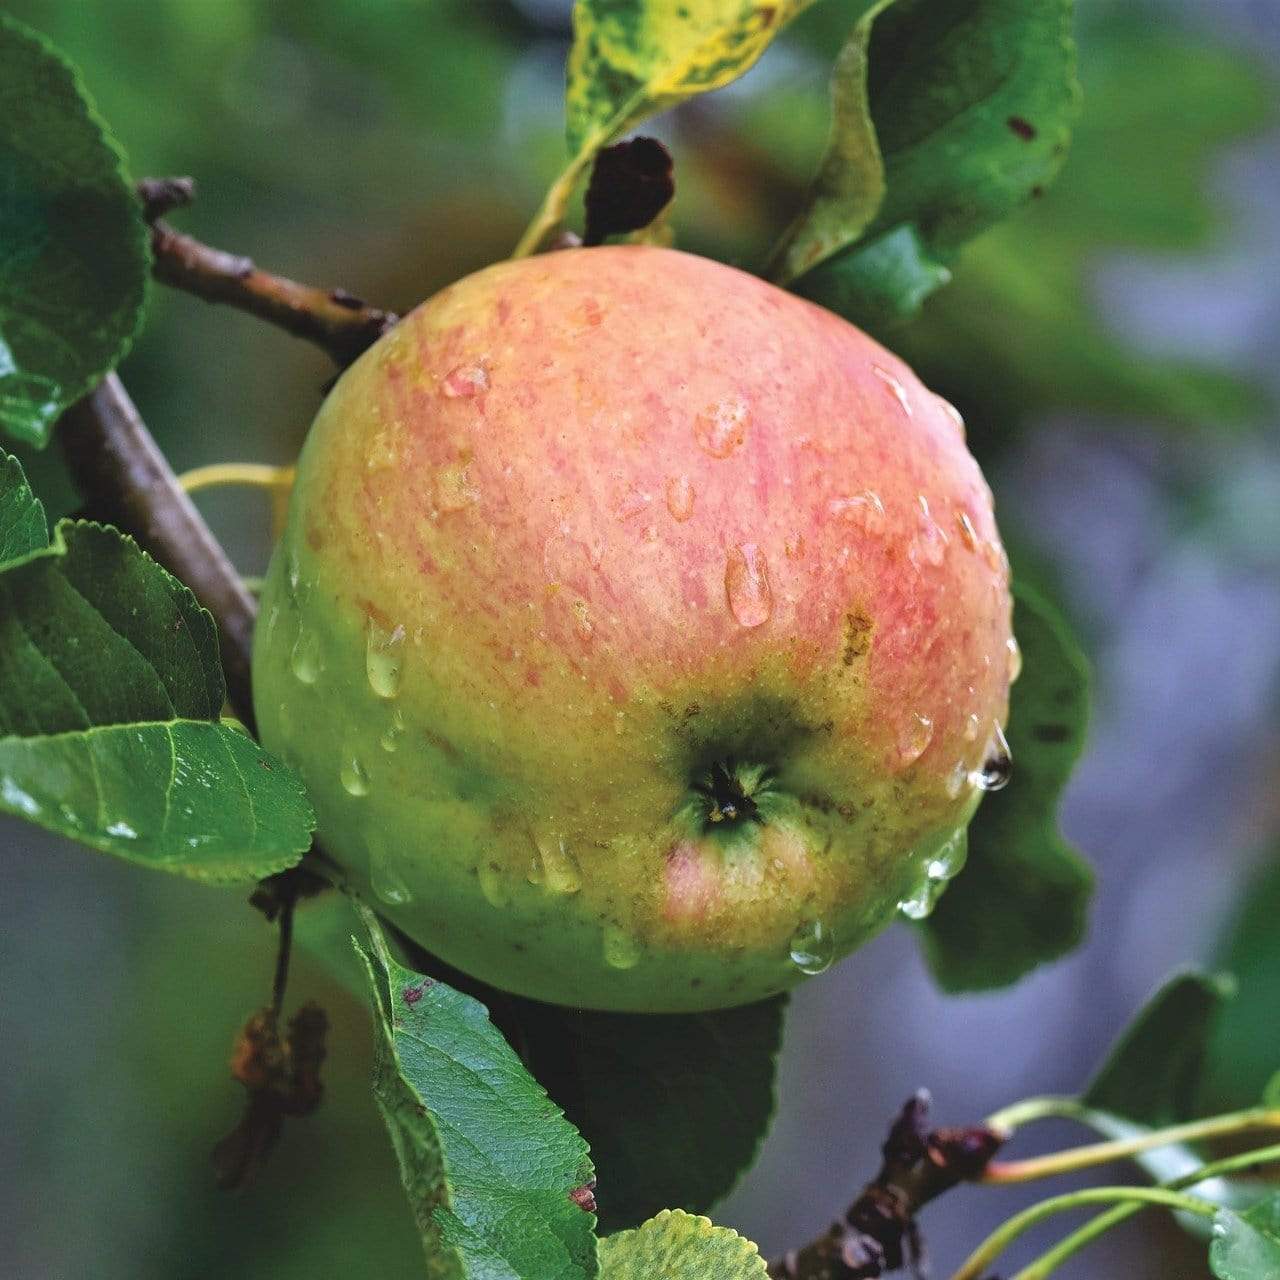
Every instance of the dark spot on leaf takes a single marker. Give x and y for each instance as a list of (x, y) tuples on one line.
[(1023, 128), (767, 15), (1037, 191), (631, 184), (416, 990)]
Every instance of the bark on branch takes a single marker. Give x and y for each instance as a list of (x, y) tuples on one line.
[(879, 1232), (333, 319)]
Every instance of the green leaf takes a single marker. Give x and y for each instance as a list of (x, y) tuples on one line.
[(849, 188), (1246, 1246), (198, 799), (74, 259), (972, 104), (110, 694), (489, 1163), (22, 524), (1020, 333), (1245, 1053), (1152, 1073), (1022, 898), (631, 59), (678, 1246), (675, 1107)]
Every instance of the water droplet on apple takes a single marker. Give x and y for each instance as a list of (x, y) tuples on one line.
[(957, 779), (919, 904), (391, 735), (953, 413), (387, 883), (1015, 658), (929, 545), (353, 775), (622, 950), (896, 387), (968, 534), (722, 427), (949, 858), (493, 884), (555, 868), (746, 585), (994, 554), (971, 727), (813, 947), (680, 498), (865, 510), (306, 660), (384, 658), (997, 767), (582, 623), (914, 738), (465, 381)]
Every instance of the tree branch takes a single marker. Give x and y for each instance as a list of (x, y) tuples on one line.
[(333, 319), (125, 480), (879, 1231)]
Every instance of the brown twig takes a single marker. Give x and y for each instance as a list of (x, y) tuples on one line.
[(879, 1232), (125, 480), (333, 319)]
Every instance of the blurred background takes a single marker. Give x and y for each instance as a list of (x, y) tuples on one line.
[(1113, 349)]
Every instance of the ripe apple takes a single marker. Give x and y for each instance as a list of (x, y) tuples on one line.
[(642, 631)]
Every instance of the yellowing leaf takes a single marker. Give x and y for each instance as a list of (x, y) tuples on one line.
[(634, 58), (678, 1246)]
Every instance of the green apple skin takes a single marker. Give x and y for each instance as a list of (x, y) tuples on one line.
[(640, 631)]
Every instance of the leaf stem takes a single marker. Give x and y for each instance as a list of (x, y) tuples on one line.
[(1011, 1171), (551, 211), (1049, 1261), (1050, 1106), (256, 474), (980, 1259)]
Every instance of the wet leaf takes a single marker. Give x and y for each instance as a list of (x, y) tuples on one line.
[(1246, 1246)]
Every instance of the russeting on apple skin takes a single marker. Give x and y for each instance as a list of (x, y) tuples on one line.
[(641, 631)]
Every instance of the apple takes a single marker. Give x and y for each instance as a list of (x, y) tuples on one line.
[(641, 631)]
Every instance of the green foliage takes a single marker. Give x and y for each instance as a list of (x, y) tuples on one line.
[(972, 105), (1019, 332), (1152, 1073), (678, 1246), (23, 527), (1246, 1041), (74, 271), (675, 1107), (110, 693), (1246, 1246), (488, 1161), (849, 187), (1022, 897)]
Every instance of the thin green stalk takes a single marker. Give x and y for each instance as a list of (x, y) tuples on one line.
[(1095, 1153), (1053, 1258), (1017, 1114), (981, 1258)]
